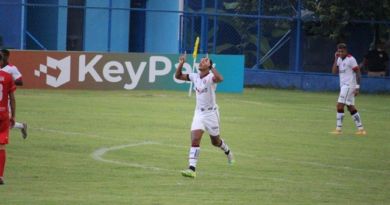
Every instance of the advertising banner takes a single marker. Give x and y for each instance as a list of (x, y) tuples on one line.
[(117, 71)]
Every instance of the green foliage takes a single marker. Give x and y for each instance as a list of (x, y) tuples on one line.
[(333, 17)]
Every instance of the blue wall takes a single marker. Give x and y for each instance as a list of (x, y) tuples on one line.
[(11, 24), (309, 81), (97, 26), (47, 25), (162, 29)]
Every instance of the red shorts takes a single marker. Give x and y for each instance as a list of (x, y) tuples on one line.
[(4, 131)]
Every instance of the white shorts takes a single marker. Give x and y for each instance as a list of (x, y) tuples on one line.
[(347, 95), (206, 121)]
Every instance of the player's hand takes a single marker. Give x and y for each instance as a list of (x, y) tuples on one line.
[(182, 59), (336, 55), (356, 91), (12, 121)]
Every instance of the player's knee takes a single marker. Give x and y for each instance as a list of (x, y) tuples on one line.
[(215, 140), (352, 110), (340, 108), (2, 147)]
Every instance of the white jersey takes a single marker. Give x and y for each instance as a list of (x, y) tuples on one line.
[(347, 66), (205, 91), (13, 70)]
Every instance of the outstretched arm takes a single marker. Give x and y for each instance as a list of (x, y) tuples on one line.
[(179, 75)]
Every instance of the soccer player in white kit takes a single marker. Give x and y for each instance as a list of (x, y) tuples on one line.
[(206, 115), (349, 72), (17, 77)]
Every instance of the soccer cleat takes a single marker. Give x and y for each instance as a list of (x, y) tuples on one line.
[(336, 132), (188, 173), (230, 157), (361, 132), (24, 130), (1, 181)]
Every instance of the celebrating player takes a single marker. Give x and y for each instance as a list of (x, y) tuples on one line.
[(17, 77), (349, 73), (7, 88), (206, 116)]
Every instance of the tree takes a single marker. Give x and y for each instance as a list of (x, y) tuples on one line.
[(331, 18)]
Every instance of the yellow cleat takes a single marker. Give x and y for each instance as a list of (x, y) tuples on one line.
[(188, 173), (336, 132), (361, 132)]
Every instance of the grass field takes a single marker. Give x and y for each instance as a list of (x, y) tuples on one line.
[(128, 147)]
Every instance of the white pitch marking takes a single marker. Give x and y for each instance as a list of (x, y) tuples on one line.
[(100, 158), (98, 155)]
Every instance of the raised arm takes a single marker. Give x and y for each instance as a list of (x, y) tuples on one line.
[(335, 68), (179, 75), (217, 76)]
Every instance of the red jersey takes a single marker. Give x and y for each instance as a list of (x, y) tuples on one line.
[(7, 86)]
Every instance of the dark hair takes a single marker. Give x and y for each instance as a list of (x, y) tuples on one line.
[(211, 64), (1, 57), (5, 52), (341, 46)]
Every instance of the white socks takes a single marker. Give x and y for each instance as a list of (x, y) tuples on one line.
[(358, 121), (224, 147), (193, 156), (355, 117), (18, 125), (339, 122)]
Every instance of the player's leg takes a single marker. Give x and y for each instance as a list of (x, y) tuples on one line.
[(23, 128), (193, 155), (218, 142), (339, 117), (4, 132), (2, 162), (212, 125), (356, 118), (344, 90)]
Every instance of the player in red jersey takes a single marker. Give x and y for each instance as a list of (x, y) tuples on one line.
[(7, 98), (17, 77)]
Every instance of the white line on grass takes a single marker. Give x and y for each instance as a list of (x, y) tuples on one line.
[(98, 155), (100, 152)]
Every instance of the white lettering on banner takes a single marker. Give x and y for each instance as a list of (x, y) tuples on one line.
[(113, 67), (89, 68), (112, 71), (153, 72), (134, 76)]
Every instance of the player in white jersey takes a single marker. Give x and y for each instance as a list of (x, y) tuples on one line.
[(349, 72), (17, 77), (206, 115)]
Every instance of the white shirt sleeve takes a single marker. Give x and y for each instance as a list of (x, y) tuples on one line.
[(353, 63), (191, 76), (15, 73)]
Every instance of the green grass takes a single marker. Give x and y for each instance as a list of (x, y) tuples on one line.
[(280, 138)]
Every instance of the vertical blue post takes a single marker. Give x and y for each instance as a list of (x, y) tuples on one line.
[(22, 24), (203, 31), (109, 26), (298, 65), (258, 51), (215, 27)]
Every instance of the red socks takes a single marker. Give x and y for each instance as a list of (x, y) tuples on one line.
[(2, 162)]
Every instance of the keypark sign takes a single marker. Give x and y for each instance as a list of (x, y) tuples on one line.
[(113, 71)]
